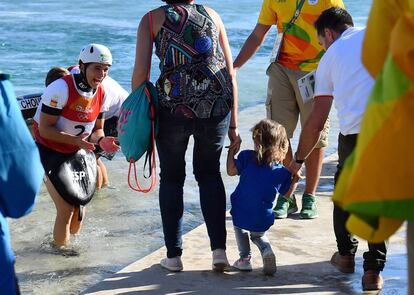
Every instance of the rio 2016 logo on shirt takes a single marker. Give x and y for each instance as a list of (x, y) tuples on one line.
[(313, 2)]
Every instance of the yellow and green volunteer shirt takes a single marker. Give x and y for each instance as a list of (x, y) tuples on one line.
[(300, 48), (375, 187), (383, 16)]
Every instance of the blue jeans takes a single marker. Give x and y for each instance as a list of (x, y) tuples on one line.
[(172, 141), (243, 244)]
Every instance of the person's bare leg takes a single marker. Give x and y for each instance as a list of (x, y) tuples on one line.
[(104, 173), (313, 169), (75, 223), (286, 163), (99, 177), (313, 165), (64, 213)]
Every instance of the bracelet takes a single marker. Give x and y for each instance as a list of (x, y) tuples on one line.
[(298, 161), (232, 127), (99, 140)]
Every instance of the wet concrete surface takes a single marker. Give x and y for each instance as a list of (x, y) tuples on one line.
[(303, 249)]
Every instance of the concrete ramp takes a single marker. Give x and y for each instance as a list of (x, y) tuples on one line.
[(303, 249)]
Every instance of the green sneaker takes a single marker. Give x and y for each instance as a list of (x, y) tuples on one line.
[(285, 206), (309, 210)]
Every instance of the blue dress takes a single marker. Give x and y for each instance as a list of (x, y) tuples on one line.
[(253, 200), (21, 175)]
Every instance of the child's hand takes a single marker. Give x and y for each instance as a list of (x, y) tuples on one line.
[(231, 164), (296, 177), (295, 168), (231, 148), (235, 140)]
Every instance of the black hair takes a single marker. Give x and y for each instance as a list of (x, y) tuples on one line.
[(334, 18), (177, 1)]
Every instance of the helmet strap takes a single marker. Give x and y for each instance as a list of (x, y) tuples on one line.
[(80, 79)]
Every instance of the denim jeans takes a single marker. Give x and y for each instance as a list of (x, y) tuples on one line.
[(375, 258), (243, 244), (172, 141)]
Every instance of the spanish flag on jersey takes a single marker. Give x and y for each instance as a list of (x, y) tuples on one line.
[(377, 183)]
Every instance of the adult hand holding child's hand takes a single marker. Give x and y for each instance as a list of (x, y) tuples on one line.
[(295, 168), (235, 139)]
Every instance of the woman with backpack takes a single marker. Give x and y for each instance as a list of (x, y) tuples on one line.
[(197, 93)]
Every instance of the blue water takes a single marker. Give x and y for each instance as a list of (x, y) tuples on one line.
[(120, 226), (38, 35)]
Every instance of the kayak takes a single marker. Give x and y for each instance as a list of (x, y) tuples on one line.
[(28, 104)]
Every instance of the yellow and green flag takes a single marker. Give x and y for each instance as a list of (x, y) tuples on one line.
[(377, 183)]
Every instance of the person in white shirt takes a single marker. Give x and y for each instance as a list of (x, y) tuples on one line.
[(342, 79)]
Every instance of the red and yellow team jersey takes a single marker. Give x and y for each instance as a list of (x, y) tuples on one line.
[(300, 48), (79, 111)]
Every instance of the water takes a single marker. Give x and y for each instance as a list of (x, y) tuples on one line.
[(121, 226)]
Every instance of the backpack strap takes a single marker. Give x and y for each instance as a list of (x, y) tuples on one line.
[(152, 42), (299, 6)]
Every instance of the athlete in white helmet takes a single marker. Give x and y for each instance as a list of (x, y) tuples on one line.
[(116, 95), (68, 125)]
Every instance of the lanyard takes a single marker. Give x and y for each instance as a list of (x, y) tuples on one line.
[(299, 5)]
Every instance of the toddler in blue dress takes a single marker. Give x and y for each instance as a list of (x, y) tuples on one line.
[(262, 178)]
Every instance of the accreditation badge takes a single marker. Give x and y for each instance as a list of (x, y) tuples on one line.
[(306, 86), (277, 47)]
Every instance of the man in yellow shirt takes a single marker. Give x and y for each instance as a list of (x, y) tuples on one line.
[(299, 54)]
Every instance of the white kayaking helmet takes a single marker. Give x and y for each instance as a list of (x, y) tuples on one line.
[(96, 53)]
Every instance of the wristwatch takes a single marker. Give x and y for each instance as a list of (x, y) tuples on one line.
[(298, 161)]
